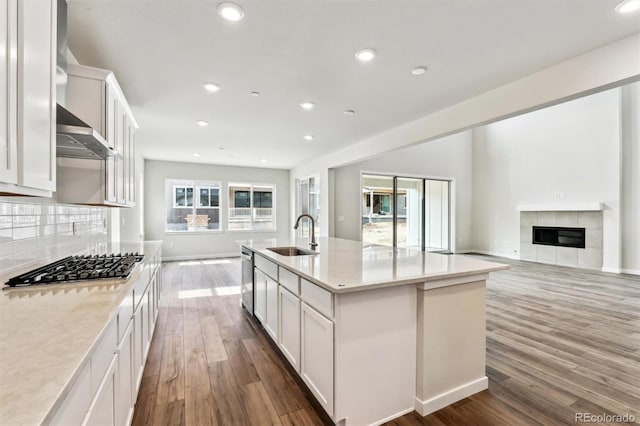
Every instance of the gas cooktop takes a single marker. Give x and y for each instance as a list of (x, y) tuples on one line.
[(80, 268)]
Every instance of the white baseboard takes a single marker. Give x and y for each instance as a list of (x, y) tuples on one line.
[(454, 395), (489, 253), (199, 257), (393, 416), (621, 270)]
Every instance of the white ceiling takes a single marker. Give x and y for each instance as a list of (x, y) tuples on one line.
[(295, 50)]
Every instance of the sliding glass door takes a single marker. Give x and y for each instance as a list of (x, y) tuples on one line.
[(406, 212)]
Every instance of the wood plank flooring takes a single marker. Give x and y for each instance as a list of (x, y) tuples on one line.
[(560, 341)]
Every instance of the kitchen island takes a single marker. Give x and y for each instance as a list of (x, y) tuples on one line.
[(375, 332), (73, 353)]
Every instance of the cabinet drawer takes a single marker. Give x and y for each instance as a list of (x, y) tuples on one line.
[(266, 266), (290, 281), (317, 297), (102, 355)]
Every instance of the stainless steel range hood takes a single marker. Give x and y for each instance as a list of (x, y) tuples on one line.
[(76, 139)]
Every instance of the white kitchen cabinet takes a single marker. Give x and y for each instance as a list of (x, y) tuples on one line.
[(101, 412), (289, 321), (8, 92), (95, 96), (260, 289), (271, 325), (316, 355), (123, 403), (27, 97)]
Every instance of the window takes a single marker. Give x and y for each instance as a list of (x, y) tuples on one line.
[(192, 206), (251, 207)]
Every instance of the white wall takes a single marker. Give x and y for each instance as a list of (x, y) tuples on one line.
[(449, 157), (200, 245), (631, 178), (572, 149)]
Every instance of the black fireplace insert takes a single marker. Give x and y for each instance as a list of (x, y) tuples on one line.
[(556, 236)]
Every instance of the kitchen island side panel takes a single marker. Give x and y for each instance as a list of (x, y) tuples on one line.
[(375, 354)]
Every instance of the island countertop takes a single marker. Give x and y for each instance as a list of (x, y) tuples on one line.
[(46, 331), (343, 266)]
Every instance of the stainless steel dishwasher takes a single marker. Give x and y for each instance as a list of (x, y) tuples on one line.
[(247, 279)]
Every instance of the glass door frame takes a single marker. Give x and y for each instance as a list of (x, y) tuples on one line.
[(425, 179)]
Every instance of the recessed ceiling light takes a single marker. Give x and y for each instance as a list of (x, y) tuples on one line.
[(365, 55), (211, 87), (308, 137), (628, 6), (263, 161), (349, 112), (419, 70), (202, 123), (195, 154), (307, 105), (230, 11), (255, 93)]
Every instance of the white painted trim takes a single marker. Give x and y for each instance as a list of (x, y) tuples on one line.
[(489, 253), (199, 257), (630, 271), (611, 270), (391, 417), (449, 397), (571, 207)]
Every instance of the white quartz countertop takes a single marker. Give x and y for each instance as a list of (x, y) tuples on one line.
[(47, 331), (343, 266)]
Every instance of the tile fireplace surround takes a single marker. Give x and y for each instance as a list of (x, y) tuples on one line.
[(590, 257)]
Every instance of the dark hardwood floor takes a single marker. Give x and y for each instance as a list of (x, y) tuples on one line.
[(560, 341)]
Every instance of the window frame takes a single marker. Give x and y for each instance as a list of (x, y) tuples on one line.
[(251, 187), (175, 198), (196, 185)]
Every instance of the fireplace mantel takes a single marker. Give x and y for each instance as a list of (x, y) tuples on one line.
[(560, 207)]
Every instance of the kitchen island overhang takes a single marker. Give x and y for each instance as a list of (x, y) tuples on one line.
[(408, 327)]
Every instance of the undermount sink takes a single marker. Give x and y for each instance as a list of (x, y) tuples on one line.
[(291, 251)]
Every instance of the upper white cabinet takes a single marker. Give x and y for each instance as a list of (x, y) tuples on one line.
[(95, 96), (27, 97)]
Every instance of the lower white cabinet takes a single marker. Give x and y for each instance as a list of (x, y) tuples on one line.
[(101, 412), (289, 336), (124, 383), (316, 357), (271, 324), (260, 289)]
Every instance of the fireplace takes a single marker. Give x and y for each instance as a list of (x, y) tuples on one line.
[(557, 236)]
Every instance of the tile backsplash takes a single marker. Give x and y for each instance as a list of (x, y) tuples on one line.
[(43, 229)]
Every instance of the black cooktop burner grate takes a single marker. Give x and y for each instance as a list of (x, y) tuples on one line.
[(80, 268)]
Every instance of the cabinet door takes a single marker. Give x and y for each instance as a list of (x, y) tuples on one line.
[(124, 384), (36, 94), (119, 161), (102, 411), (289, 335), (111, 178), (271, 324), (316, 361), (260, 309), (138, 358), (8, 87)]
